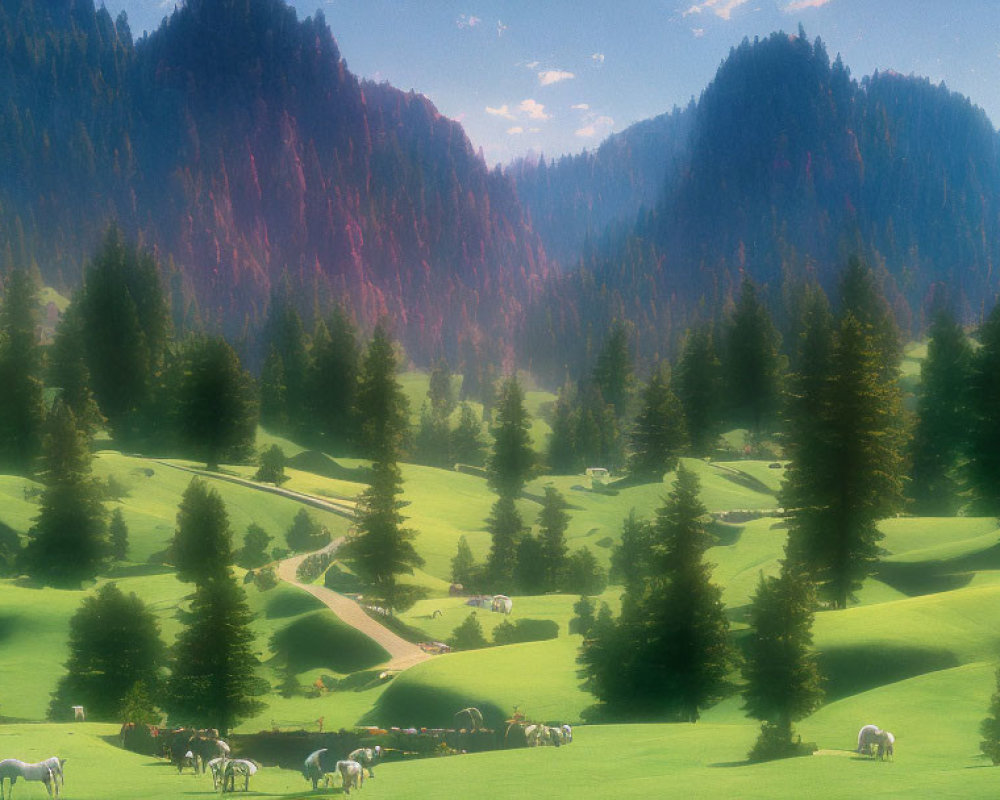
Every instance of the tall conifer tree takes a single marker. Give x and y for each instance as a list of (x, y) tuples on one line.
[(658, 433), (983, 467), (698, 384)]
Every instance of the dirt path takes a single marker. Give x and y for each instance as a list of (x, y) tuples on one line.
[(403, 654), (344, 508)]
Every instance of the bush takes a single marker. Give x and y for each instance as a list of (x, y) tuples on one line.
[(468, 635), (306, 533), (775, 741), (313, 566), (525, 630), (272, 466), (265, 579)]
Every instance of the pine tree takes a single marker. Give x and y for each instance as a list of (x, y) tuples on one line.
[(752, 367), (850, 467), (439, 392), (631, 558), (213, 673), (984, 429), (68, 538), (698, 383), (254, 551), (506, 528), (69, 372), (382, 549), (202, 546), (658, 433), (306, 534), (334, 380), (861, 297), (990, 728), (431, 445), (382, 408), (273, 394), (465, 440), (125, 327), (469, 634), (552, 524), (118, 536), (512, 459), (284, 335), (943, 418), (562, 457), (272, 466), (529, 565), (583, 575), (779, 667), (217, 405), (613, 370), (114, 643), (463, 565), (22, 409), (668, 654)]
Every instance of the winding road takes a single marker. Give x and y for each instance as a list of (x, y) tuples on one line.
[(402, 654)]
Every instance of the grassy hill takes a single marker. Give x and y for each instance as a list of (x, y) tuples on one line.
[(915, 652)]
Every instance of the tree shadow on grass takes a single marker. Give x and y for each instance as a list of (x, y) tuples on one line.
[(852, 670), (929, 577)]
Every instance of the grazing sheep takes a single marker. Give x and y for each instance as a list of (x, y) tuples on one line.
[(351, 774)]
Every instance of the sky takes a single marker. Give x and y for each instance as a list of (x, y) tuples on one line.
[(530, 77)]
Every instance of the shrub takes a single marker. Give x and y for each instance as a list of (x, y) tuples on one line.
[(468, 635), (265, 579)]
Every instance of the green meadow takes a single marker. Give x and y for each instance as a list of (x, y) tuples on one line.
[(915, 653)]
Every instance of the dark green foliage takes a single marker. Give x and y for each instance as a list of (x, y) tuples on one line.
[(698, 383), (440, 393), (431, 445), (751, 365), (288, 372), (320, 640), (265, 579), (217, 404), (305, 533), (212, 679), (989, 728), (254, 552), (984, 430), (585, 618), (22, 410), (552, 524), (114, 643), (583, 574), (334, 380), (463, 565), (845, 465), (468, 635), (613, 371), (525, 630), (529, 566), (861, 296), (382, 408), (382, 549), (943, 419), (272, 466), (512, 460), (68, 538), (598, 436), (562, 457), (466, 439), (69, 372), (631, 560), (506, 528), (780, 670), (125, 326), (138, 706), (273, 393), (668, 655), (118, 536), (659, 434), (203, 544)]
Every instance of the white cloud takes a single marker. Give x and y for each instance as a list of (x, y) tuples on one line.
[(550, 76), (598, 58), (799, 5), (467, 21), (698, 32), (597, 126), (531, 64), (501, 28), (721, 8), (503, 111), (581, 107), (532, 109), (515, 130)]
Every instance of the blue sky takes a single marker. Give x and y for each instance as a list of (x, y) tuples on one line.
[(557, 76)]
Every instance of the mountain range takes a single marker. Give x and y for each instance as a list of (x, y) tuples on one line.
[(236, 144)]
